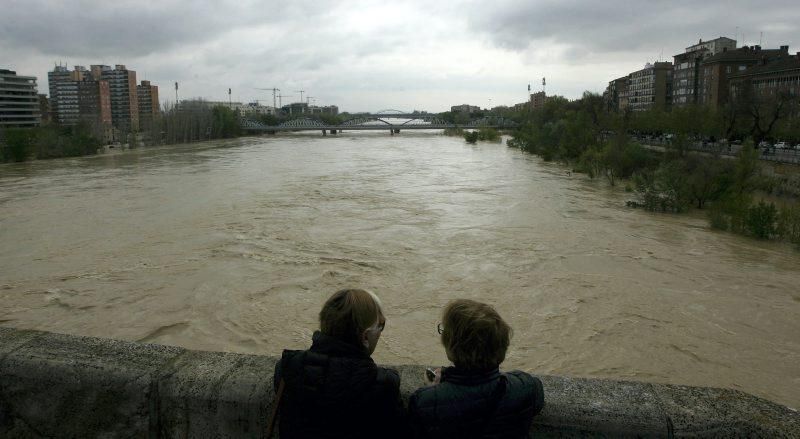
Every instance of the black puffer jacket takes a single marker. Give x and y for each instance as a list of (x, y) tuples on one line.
[(476, 405), (335, 390)]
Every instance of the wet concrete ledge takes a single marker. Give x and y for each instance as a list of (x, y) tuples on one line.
[(55, 385)]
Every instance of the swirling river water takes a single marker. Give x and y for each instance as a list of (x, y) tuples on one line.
[(234, 246)]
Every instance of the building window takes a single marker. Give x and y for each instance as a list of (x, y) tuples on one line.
[(742, 68), (728, 69)]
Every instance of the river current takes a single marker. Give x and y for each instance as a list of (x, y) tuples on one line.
[(235, 245)]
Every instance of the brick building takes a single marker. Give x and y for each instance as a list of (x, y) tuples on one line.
[(124, 97), (94, 104), (716, 70), (769, 80), (465, 108), (147, 96), (687, 74), (538, 99)]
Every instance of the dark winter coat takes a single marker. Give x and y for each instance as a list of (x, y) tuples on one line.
[(335, 390), (486, 404)]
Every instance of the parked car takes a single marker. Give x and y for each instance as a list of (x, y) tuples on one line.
[(781, 145), (764, 144)]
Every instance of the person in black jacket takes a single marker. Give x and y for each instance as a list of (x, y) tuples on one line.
[(474, 399), (334, 389)]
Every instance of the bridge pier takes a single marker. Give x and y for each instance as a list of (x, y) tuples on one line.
[(333, 131), (324, 133)]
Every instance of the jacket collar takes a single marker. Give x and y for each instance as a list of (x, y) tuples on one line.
[(469, 377), (331, 346)]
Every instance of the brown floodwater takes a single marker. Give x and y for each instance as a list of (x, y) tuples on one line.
[(235, 245)]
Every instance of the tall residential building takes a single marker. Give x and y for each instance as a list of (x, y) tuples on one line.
[(147, 96), (63, 85), (59, 74), (94, 104), (649, 88), (124, 98), (538, 99), (687, 76), (19, 101), (716, 70)]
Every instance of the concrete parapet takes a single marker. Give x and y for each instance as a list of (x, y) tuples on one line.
[(54, 385)]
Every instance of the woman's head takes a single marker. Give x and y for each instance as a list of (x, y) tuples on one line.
[(353, 316), (474, 335)]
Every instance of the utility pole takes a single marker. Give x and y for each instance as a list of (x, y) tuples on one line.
[(176, 93), (230, 104)]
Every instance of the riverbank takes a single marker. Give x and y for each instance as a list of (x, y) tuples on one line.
[(62, 385)]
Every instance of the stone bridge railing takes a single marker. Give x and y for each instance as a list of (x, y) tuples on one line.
[(54, 385)]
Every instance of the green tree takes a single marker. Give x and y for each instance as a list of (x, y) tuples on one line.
[(18, 144)]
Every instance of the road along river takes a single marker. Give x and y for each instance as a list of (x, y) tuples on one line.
[(235, 245)]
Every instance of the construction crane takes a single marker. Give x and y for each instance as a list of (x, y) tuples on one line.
[(280, 99), (309, 98), (301, 94), (274, 91)]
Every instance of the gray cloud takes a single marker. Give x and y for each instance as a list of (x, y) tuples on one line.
[(362, 53), (623, 26), (135, 28)]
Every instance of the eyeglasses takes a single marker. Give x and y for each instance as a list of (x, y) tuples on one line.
[(439, 328)]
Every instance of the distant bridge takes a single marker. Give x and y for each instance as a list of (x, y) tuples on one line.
[(383, 121)]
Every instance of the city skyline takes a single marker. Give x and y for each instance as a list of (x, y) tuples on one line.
[(366, 57)]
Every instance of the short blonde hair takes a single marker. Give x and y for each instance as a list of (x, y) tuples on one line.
[(348, 313), (474, 335)]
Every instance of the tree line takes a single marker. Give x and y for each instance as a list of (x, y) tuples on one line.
[(593, 140)]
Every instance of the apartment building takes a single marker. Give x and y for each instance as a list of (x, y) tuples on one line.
[(769, 80), (124, 95), (63, 84), (19, 100), (465, 108), (94, 105), (147, 96), (687, 75), (649, 88), (613, 94), (716, 70)]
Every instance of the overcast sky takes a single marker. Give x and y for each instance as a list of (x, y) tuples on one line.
[(374, 55)]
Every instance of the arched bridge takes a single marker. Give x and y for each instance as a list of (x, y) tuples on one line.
[(390, 121)]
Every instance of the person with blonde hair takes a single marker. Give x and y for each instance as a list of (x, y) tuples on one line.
[(473, 399), (335, 389)]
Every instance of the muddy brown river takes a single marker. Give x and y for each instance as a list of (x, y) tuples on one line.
[(235, 245)]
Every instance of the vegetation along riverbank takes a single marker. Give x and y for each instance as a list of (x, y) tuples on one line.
[(738, 195)]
